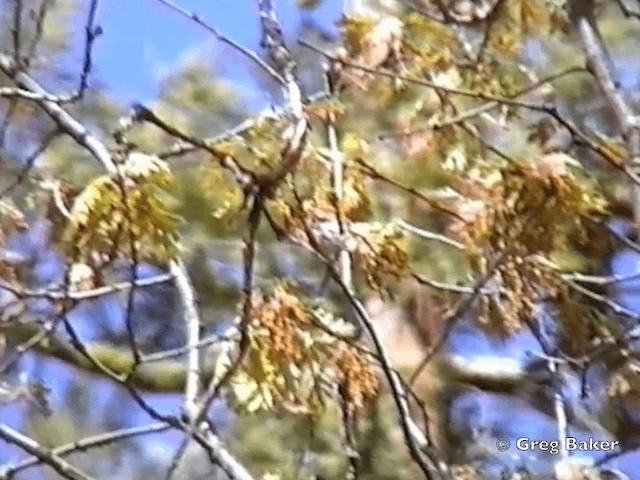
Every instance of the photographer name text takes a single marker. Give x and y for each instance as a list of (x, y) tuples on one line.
[(570, 444)]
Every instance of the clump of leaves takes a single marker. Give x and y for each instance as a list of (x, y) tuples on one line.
[(521, 216), (358, 382), (124, 214), (296, 356), (515, 20), (580, 321), (369, 42), (518, 282), (380, 254)]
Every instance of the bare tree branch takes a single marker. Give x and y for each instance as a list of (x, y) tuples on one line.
[(86, 294), (601, 65), (338, 173), (44, 455), (84, 445), (60, 116), (193, 327)]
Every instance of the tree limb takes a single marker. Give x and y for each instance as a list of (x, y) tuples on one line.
[(86, 444), (581, 13), (32, 447)]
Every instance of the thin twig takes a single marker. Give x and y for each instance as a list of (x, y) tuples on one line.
[(19, 350), (91, 34), (133, 250), (42, 14), (427, 235), (30, 161), (54, 295), (224, 39), (486, 107), (16, 32)]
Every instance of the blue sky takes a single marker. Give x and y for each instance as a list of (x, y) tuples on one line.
[(144, 38)]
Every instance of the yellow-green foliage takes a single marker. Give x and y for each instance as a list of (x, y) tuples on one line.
[(125, 214)]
